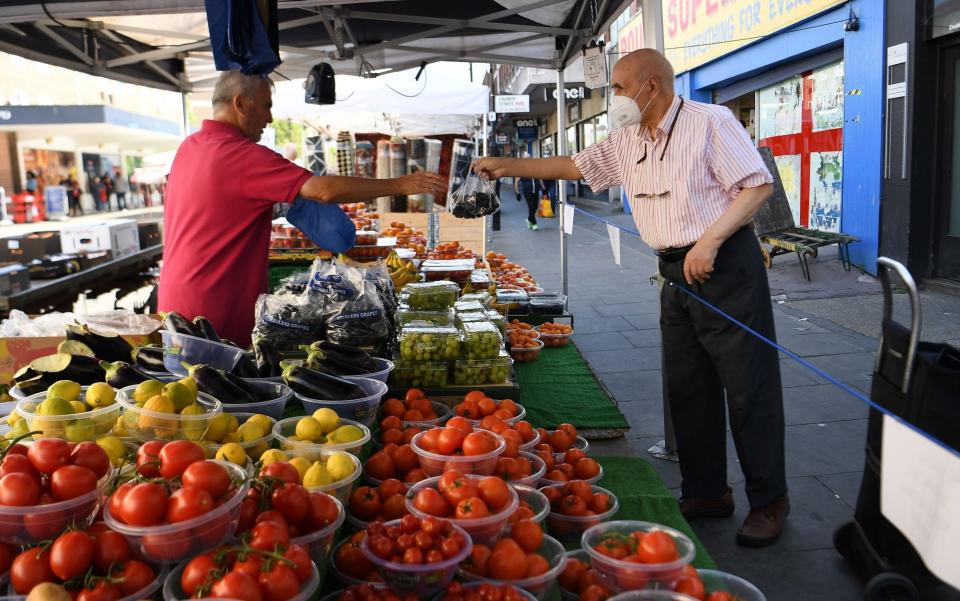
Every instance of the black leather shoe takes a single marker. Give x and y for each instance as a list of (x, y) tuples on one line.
[(702, 507), (764, 525)]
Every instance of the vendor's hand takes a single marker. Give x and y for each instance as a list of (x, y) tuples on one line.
[(492, 167), (698, 263), (422, 182)]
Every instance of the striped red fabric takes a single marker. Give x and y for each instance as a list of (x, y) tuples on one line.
[(708, 160)]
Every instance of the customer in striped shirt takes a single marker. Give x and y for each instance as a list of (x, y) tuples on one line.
[(694, 180)]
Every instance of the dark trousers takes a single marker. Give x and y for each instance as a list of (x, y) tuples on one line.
[(705, 355), (532, 202), (121, 200)]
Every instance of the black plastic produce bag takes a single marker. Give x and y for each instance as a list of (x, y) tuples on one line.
[(475, 198)]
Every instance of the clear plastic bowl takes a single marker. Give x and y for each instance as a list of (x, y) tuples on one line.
[(363, 410), (341, 489), (536, 499), (540, 586), (417, 374), (554, 340), (175, 542), (580, 443), (522, 413), (147, 592), (593, 480), (434, 464), (146, 425), (442, 411), (539, 469), (98, 422), (173, 592), (318, 543), (339, 575), (527, 596), (254, 448), (32, 524), (285, 429), (570, 527), (527, 355), (178, 348), (619, 575), (15, 393), (280, 393), (482, 531), (528, 446), (580, 554), (422, 579), (649, 595), (715, 580), (384, 367)]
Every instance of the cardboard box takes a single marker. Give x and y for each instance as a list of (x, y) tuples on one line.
[(28, 247), (55, 266), (14, 278), (119, 236), (149, 232)]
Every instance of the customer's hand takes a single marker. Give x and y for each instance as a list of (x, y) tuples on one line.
[(698, 264), (422, 182), (492, 167)]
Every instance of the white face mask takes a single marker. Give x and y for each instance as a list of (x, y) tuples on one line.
[(625, 112)]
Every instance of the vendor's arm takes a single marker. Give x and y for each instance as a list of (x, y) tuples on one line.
[(552, 168), (336, 188), (737, 165)]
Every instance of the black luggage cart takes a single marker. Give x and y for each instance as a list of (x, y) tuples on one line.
[(901, 384)]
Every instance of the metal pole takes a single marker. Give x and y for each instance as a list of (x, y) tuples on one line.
[(486, 137), (561, 184), (186, 119)]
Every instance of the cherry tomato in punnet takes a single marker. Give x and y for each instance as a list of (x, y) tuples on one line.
[(15, 462), (101, 591), (250, 566), (19, 489), (282, 471), (187, 503), (236, 586), (268, 536), (143, 505), (72, 481), (656, 547), (279, 584), (166, 547), (148, 458), (91, 456), (71, 554), (133, 576), (471, 508), (176, 456), (195, 573), (478, 443), (322, 511), (109, 548), (494, 492), (292, 501), (48, 454), (302, 564), (31, 568), (691, 586), (428, 500), (209, 475)]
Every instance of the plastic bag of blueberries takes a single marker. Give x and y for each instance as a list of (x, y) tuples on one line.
[(475, 198)]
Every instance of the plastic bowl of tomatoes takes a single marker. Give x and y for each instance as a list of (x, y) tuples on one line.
[(386, 501), (524, 561), (198, 514), (350, 566), (630, 555), (319, 542), (76, 476), (527, 352), (483, 591), (421, 569), (577, 575), (526, 469), (476, 406), (651, 595), (415, 409), (576, 506), (480, 505), (721, 586), (555, 334), (534, 505), (458, 446)]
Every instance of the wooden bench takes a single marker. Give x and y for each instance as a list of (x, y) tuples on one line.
[(775, 228)]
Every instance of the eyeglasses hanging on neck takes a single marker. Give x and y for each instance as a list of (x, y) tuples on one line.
[(663, 151)]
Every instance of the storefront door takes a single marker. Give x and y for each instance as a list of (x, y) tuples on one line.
[(947, 250)]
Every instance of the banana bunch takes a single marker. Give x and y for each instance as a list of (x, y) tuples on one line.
[(401, 272)]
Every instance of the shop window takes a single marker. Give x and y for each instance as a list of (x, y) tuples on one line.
[(801, 120), (572, 141)]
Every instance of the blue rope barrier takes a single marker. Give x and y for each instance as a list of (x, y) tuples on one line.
[(823, 374)]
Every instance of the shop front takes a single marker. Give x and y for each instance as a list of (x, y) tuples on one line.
[(805, 90)]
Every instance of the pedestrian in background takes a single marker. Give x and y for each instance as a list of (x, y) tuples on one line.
[(108, 186), (74, 193), (527, 188), (121, 187), (99, 194)]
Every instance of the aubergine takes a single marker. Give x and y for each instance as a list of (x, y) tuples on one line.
[(318, 360), (267, 357), (206, 329), (317, 385), (214, 382), (75, 347), (258, 393), (245, 367), (106, 347), (62, 366), (25, 373), (121, 374), (178, 324), (149, 357), (33, 385), (343, 349)]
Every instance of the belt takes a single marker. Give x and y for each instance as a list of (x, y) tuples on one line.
[(672, 255)]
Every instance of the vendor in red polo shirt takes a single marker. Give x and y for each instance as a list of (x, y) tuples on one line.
[(220, 196)]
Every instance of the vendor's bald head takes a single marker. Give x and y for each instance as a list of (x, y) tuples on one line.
[(643, 75)]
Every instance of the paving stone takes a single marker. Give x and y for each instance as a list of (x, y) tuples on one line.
[(846, 486), (820, 403), (601, 341), (794, 375), (810, 345), (645, 417), (794, 576), (605, 362), (633, 385), (592, 325), (629, 309), (650, 321), (827, 448), (643, 338)]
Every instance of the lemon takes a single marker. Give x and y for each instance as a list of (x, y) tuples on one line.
[(308, 429), (233, 453), (317, 476), (67, 390), (302, 466), (80, 430), (193, 429), (217, 428), (191, 385), (163, 427), (248, 432), (114, 449), (120, 427), (231, 437), (146, 390), (179, 395), (19, 429), (340, 466), (256, 451), (79, 407), (54, 406), (263, 421), (272, 456), (100, 394), (344, 434), (327, 418), (232, 422)]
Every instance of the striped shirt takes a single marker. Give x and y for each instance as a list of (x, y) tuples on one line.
[(709, 159)]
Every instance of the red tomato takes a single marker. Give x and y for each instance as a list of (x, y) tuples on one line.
[(471, 508), (48, 454), (187, 503), (134, 576), (477, 443), (143, 505), (195, 573), (72, 481), (109, 548), (494, 492), (429, 500), (430, 441), (405, 459), (176, 456), (365, 503), (450, 440), (380, 466), (322, 511), (389, 488), (571, 573), (101, 591), (237, 586), (381, 546), (46, 525), (268, 536), (91, 456), (302, 564), (116, 499), (148, 458), (282, 471), (507, 561), (19, 489), (693, 586), (656, 547), (209, 475), (717, 595), (461, 488), (71, 554), (291, 501), (279, 584), (573, 505), (166, 547), (16, 462), (528, 535), (249, 508), (595, 592), (460, 423), (31, 568)]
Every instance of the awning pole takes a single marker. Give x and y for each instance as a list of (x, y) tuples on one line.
[(186, 118), (561, 184)]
